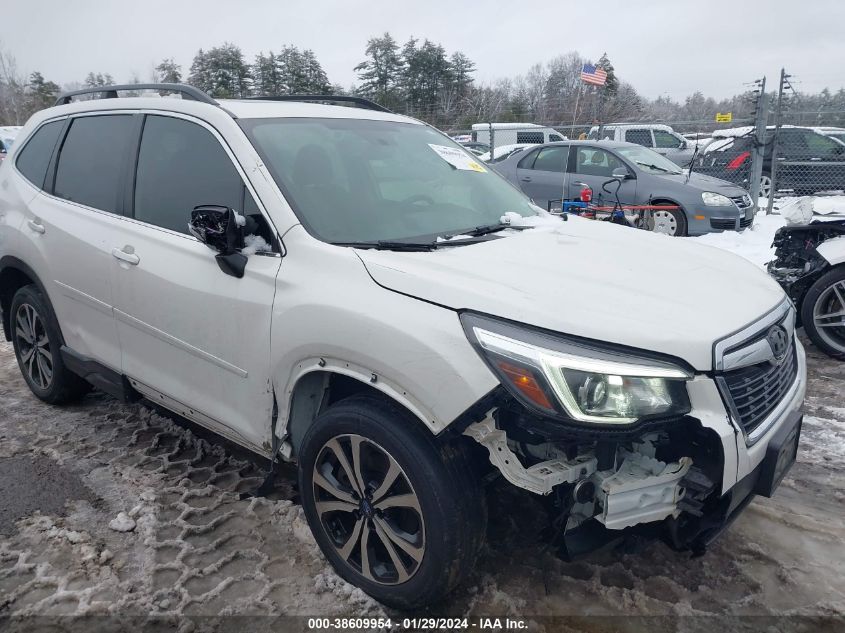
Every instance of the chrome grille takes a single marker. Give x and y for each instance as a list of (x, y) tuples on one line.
[(755, 391), (743, 202)]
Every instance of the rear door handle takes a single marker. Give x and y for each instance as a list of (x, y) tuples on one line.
[(36, 226), (126, 254)]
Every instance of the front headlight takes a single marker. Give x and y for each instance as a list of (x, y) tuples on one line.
[(712, 199), (575, 380)]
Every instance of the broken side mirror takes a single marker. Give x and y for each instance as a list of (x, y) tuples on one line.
[(221, 229)]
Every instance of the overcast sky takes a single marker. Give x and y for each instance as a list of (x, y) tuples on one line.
[(662, 47)]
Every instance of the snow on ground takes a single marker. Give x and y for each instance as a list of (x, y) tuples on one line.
[(755, 243)]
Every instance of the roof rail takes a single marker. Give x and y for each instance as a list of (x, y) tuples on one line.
[(358, 101), (110, 92)]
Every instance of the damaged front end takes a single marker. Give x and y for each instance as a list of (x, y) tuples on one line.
[(604, 432), (797, 264), (601, 484)]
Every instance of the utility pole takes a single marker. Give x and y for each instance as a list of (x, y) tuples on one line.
[(761, 113), (778, 111)]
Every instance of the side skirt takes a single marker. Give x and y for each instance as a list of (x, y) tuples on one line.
[(103, 378)]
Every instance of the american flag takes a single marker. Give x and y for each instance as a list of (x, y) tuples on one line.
[(592, 75)]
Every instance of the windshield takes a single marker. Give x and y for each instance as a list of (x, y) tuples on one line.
[(648, 160), (354, 180)]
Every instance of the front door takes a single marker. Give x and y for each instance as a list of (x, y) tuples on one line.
[(594, 166), (542, 175), (193, 336)]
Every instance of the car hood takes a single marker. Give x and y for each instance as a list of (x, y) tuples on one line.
[(594, 280), (705, 183)]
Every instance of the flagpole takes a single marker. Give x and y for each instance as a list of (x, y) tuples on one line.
[(577, 99)]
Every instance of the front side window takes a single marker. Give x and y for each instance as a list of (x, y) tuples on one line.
[(640, 137), (552, 159), (91, 161), (181, 165), (596, 162), (354, 180), (33, 159), (666, 140)]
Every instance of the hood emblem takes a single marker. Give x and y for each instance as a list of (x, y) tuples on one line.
[(778, 340)]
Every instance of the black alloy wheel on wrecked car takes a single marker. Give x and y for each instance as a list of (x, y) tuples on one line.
[(37, 343), (395, 514), (823, 313)]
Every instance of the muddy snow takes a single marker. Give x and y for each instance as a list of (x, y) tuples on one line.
[(153, 523)]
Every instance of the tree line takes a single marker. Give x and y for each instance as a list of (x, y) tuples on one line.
[(422, 79)]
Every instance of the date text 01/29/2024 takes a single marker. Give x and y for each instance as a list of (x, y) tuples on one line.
[(415, 624)]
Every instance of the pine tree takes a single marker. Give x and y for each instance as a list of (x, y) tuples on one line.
[(168, 71), (41, 93), (221, 72), (200, 74), (612, 84), (381, 73), (316, 80)]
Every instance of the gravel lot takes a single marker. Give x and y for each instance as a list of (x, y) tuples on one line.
[(192, 546)]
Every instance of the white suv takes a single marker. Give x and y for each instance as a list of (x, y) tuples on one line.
[(350, 289)]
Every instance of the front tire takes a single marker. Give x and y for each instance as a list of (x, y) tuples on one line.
[(823, 313), (671, 222), (37, 344), (395, 514), (765, 185)]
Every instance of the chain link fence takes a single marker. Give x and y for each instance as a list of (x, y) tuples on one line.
[(774, 154)]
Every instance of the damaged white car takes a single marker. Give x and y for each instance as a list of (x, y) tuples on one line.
[(349, 289)]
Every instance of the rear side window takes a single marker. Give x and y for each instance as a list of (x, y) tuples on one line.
[(640, 137), (35, 156), (182, 165), (665, 139), (91, 161), (552, 159)]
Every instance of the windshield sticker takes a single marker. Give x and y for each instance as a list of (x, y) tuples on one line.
[(457, 158)]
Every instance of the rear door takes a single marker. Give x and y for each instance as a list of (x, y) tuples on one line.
[(542, 174), (75, 223), (192, 337)]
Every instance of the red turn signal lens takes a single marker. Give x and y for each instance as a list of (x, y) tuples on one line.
[(524, 381)]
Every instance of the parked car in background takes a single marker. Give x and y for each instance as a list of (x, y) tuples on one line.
[(557, 171), (661, 138), (837, 133), (7, 138), (503, 151), (810, 266), (808, 162), (515, 133)]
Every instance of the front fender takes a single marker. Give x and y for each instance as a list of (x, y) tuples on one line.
[(331, 316), (833, 250)]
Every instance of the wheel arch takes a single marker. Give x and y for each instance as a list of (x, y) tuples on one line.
[(14, 275), (321, 384)]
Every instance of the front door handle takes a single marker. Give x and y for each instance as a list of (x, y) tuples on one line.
[(36, 226), (526, 179), (126, 254)]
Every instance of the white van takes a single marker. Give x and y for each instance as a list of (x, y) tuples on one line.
[(515, 133)]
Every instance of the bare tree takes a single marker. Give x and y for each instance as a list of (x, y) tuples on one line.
[(12, 91)]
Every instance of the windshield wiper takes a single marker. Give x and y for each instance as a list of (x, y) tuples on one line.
[(386, 245), (485, 229), (658, 168)]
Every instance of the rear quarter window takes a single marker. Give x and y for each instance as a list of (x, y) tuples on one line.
[(34, 158)]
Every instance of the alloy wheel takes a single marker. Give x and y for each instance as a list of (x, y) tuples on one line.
[(36, 355), (664, 222), (765, 186), (369, 510), (829, 315)]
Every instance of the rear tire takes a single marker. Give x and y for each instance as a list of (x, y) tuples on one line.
[(826, 296), (765, 185), (429, 521), (37, 343)]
